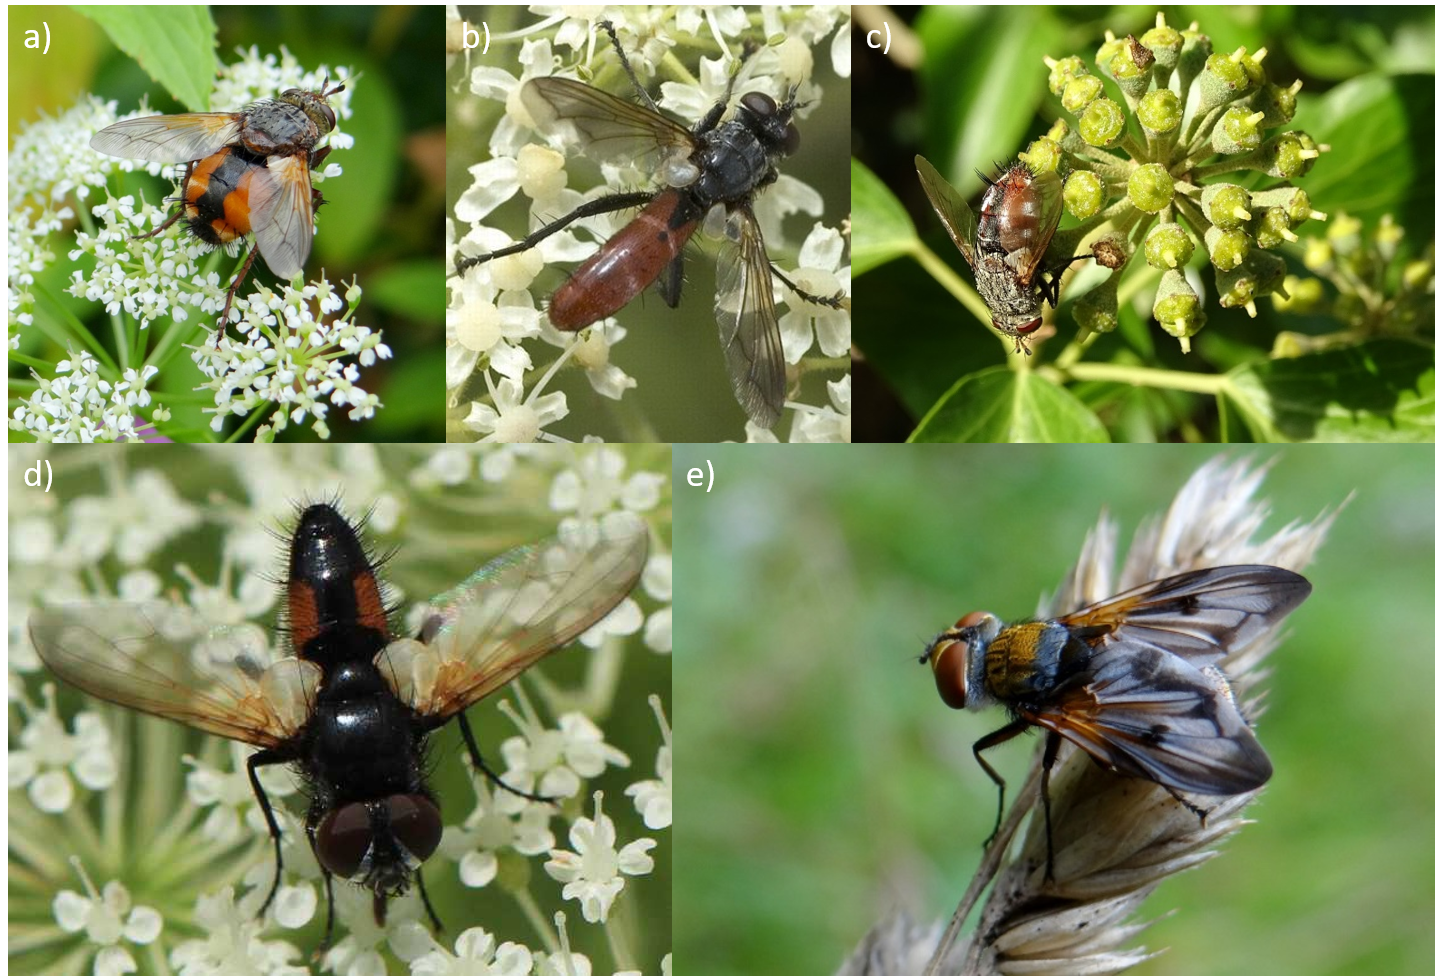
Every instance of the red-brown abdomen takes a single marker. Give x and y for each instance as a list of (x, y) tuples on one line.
[(627, 263)]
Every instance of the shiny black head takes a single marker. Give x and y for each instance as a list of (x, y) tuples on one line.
[(772, 122)]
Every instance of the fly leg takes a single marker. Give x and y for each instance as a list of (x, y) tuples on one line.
[(1049, 281), (714, 114), (838, 300), (1009, 731), (628, 68), (183, 188), (1203, 814), (267, 757), (1048, 759), (608, 204), (229, 299), (482, 766), (423, 893)]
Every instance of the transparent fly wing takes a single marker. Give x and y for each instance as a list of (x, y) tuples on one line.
[(747, 322), (952, 210), (512, 613), (149, 657), (605, 127), (282, 214), (168, 138)]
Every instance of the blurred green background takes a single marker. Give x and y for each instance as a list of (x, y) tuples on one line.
[(383, 221), (829, 786)]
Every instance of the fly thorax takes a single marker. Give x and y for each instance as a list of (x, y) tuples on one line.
[(733, 164), (1025, 660)]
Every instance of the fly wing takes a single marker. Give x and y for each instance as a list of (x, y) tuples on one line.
[(1202, 615), (168, 138), (281, 208), (511, 614), (1049, 206), (1147, 713), (951, 209), (145, 657), (747, 322), (608, 128)]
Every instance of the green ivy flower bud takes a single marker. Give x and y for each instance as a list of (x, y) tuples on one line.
[(1159, 111), (1178, 308), (1064, 72), (1168, 246), (1238, 131), (1103, 123), (1081, 93), (1151, 189), (1226, 205), (1228, 248), (1084, 194)]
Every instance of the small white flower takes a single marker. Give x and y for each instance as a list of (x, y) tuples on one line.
[(475, 954), (658, 584), (653, 798), (554, 762), (592, 873), (826, 425)]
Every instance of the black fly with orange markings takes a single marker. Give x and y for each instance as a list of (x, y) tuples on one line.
[(353, 707)]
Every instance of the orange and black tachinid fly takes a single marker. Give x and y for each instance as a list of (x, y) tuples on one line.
[(1132, 680), (246, 174)]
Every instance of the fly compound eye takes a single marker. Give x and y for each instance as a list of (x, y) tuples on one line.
[(759, 104), (790, 140), (415, 823), (972, 619), (949, 667), (343, 839)]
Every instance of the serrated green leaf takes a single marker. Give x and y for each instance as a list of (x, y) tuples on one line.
[(174, 45)]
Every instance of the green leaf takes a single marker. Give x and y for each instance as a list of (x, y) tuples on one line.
[(881, 229), (1001, 405), (174, 45), (1382, 391), (407, 288), (983, 83), (1380, 159)]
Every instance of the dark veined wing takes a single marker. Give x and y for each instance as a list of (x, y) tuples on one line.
[(953, 211), (147, 657), (1147, 713), (168, 138), (512, 613), (1049, 206), (281, 208), (747, 322), (608, 127), (1201, 615)]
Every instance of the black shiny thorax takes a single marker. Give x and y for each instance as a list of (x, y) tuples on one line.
[(737, 157)]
